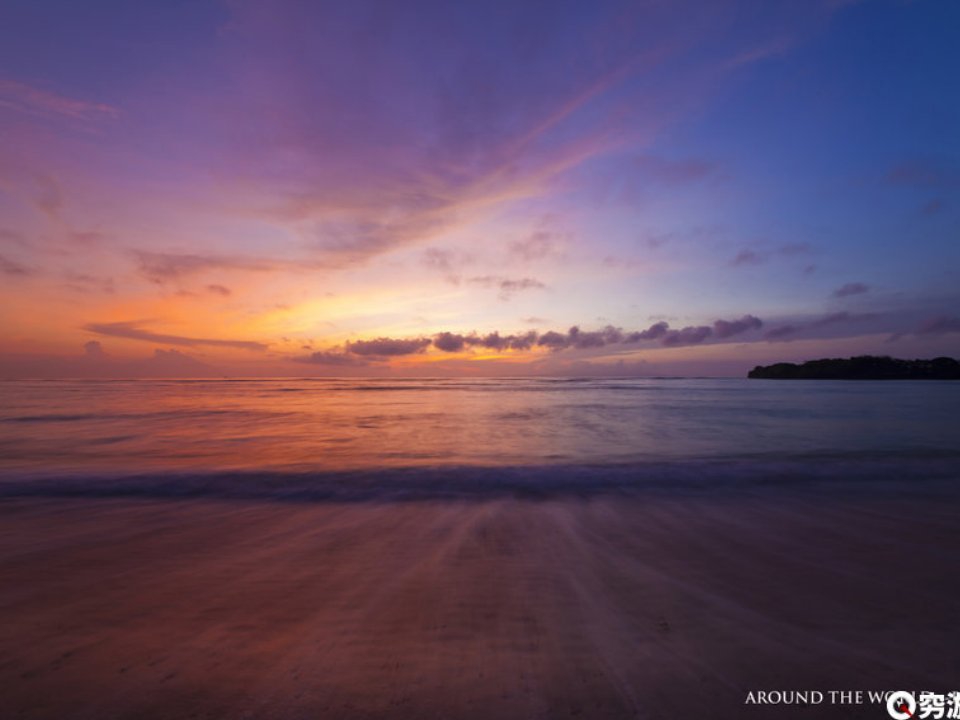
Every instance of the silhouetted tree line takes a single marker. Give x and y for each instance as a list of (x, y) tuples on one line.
[(863, 367)]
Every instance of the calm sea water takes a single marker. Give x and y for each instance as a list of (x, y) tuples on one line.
[(179, 427)]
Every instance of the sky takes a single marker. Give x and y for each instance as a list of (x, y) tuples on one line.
[(293, 188)]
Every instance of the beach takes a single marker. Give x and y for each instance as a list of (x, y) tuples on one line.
[(479, 361), (604, 605)]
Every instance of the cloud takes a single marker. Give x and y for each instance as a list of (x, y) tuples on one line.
[(658, 240), (161, 268), (615, 261), (412, 153), (598, 338), (687, 336), (82, 282), (448, 262), (933, 207), (853, 288), (512, 286), (383, 348), (794, 249), (492, 341), (388, 347), (524, 341), (507, 286), (643, 173), (787, 331), (496, 341), (34, 101), (579, 339), (439, 259), (837, 317), (575, 338), (131, 331), (454, 342), (782, 332), (358, 138), (758, 257), (93, 349), (674, 172), (536, 246), (924, 172), (87, 237), (13, 268), (221, 290), (728, 328), (654, 332), (939, 325), (748, 257), (49, 196), (13, 237), (773, 48), (553, 340), (449, 342)]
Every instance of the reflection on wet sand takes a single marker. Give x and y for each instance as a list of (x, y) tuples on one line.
[(614, 606)]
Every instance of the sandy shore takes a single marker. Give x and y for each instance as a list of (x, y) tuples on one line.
[(607, 607)]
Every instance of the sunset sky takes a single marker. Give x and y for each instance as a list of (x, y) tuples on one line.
[(194, 188)]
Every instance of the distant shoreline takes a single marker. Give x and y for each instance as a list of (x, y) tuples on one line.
[(863, 367)]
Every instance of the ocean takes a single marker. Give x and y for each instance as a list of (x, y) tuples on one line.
[(474, 548), (348, 436)]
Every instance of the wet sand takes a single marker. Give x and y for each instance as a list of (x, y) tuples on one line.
[(651, 605)]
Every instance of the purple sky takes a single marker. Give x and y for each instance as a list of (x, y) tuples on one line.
[(297, 188)]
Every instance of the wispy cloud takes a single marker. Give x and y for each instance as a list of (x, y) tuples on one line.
[(794, 249), (85, 282), (449, 262), (13, 268), (748, 257), (671, 171), (782, 332), (29, 100), (538, 245), (133, 331), (429, 153), (853, 288), (48, 196), (837, 317), (925, 172), (161, 268), (507, 286), (939, 325), (769, 49), (788, 331)]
